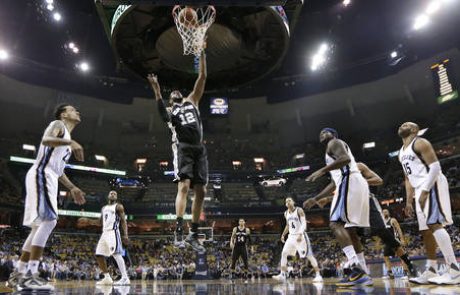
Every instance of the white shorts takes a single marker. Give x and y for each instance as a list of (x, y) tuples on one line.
[(350, 204), (437, 208), (109, 243), (291, 247), (41, 196)]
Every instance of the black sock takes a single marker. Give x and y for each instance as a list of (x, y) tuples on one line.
[(406, 260), (194, 227), (179, 223)]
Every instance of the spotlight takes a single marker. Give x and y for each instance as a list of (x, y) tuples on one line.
[(83, 66), (57, 16), (75, 50), (49, 1), (4, 54), (323, 48), (421, 21), (71, 45), (433, 7), (50, 7), (346, 2), (394, 54)]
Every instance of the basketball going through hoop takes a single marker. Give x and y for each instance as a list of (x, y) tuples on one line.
[(192, 25)]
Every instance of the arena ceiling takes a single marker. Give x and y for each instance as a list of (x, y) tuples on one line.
[(361, 37)]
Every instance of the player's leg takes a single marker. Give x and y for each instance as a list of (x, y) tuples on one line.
[(407, 264), (358, 246), (124, 281), (102, 252), (200, 180), (289, 249), (310, 256), (235, 256), (244, 257), (183, 168)]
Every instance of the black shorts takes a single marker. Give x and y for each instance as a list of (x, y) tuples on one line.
[(376, 220), (190, 162), (240, 251)]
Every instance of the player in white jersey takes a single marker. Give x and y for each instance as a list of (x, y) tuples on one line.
[(41, 212), (352, 192), (110, 243), (427, 184), (297, 242)]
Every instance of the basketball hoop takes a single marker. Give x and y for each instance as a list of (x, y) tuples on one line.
[(192, 25)]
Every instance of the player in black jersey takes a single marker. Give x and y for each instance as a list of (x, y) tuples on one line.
[(238, 243), (190, 157), (392, 225)]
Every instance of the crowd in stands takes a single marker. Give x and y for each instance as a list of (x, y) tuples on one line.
[(71, 256)]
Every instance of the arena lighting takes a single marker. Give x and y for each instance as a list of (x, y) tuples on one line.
[(50, 7), (393, 154), (433, 7), (236, 163), (421, 21), (83, 66), (49, 1), (142, 161), (71, 166), (100, 158), (62, 193), (319, 59), (299, 156), (394, 54), (259, 160), (369, 145), (3, 54), (79, 213), (346, 2), (29, 147), (295, 169), (75, 50), (57, 16)]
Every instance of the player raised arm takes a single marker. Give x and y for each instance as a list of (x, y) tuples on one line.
[(77, 194), (121, 212), (336, 148), (198, 89), (153, 80), (372, 178), (427, 154), (53, 138)]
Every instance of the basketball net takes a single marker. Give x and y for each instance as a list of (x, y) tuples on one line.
[(193, 32)]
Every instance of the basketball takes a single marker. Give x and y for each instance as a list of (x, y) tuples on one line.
[(188, 17)]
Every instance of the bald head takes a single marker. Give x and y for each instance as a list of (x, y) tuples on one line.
[(408, 129)]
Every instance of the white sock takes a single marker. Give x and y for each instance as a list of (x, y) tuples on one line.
[(432, 263), (362, 262), (351, 255), (445, 244), (121, 265), (33, 266), (22, 267)]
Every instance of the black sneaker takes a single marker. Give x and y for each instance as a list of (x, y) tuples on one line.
[(192, 241), (33, 282), (179, 238)]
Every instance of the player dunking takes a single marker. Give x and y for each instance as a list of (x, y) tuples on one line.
[(239, 245), (41, 212), (110, 243), (376, 220), (297, 242), (352, 192), (427, 184), (190, 156)]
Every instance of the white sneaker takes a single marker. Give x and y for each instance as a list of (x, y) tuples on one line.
[(122, 282), (451, 277), (33, 282), (105, 281), (281, 277), (423, 279), (318, 279)]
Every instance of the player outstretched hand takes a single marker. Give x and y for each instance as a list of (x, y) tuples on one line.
[(77, 150), (409, 210), (309, 203), (153, 80), (314, 176), (78, 196)]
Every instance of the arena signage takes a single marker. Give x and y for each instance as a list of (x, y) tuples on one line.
[(443, 79)]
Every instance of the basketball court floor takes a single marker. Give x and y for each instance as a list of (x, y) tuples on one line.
[(253, 287)]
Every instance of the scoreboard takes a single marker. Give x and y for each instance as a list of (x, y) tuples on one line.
[(444, 80)]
